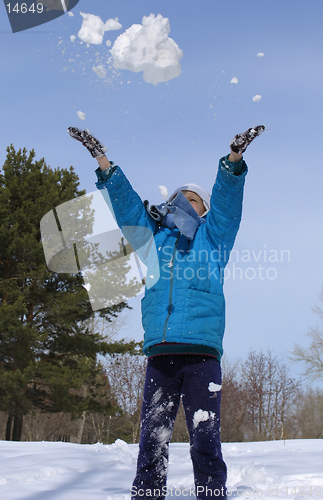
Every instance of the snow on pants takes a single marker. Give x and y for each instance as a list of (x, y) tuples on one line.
[(197, 379)]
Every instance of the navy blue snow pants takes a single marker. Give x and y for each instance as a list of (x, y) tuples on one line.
[(197, 379)]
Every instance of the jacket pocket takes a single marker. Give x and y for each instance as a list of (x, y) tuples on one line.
[(204, 317), (203, 305)]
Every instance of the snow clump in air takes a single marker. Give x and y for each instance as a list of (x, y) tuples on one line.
[(112, 25), (148, 48), (163, 191), (256, 98), (260, 54), (93, 28), (100, 70), (234, 80), (81, 115)]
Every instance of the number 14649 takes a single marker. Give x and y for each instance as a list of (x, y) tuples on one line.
[(23, 8)]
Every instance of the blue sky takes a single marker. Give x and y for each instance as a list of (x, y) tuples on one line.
[(175, 132)]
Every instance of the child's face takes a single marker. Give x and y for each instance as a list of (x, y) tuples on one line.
[(195, 201)]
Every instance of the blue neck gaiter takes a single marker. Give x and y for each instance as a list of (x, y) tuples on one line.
[(177, 213)]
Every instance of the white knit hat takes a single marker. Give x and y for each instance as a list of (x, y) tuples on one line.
[(205, 197)]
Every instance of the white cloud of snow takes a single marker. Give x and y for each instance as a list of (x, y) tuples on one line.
[(72, 38), (81, 115), (112, 24), (163, 191), (256, 98), (93, 28), (260, 54), (234, 80), (100, 70), (148, 48)]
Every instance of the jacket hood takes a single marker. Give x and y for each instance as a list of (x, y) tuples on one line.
[(205, 197)]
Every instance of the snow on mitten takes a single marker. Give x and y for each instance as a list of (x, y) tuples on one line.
[(91, 143), (241, 141)]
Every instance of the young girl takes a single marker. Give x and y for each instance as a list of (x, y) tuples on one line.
[(183, 312)]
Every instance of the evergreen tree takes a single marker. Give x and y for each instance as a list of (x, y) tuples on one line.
[(48, 353)]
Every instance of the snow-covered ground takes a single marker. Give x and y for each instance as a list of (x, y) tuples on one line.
[(64, 471)]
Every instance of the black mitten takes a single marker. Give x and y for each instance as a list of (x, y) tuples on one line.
[(91, 143), (241, 141)]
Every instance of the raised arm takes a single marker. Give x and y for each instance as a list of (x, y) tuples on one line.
[(224, 218), (123, 201), (235, 157)]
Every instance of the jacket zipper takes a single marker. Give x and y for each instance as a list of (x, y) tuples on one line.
[(171, 286)]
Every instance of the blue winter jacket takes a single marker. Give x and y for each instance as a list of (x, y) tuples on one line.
[(186, 304)]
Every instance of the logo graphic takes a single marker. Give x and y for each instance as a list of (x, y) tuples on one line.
[(82, 235), (28, 14)]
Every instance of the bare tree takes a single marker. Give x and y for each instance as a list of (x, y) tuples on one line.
[(233, 404), (271, 396), (110, 330), (308, 414), (311, 356), (41, 426), (126, 374)]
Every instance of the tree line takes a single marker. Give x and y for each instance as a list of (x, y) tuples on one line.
[(260, 402), (63, 374)]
